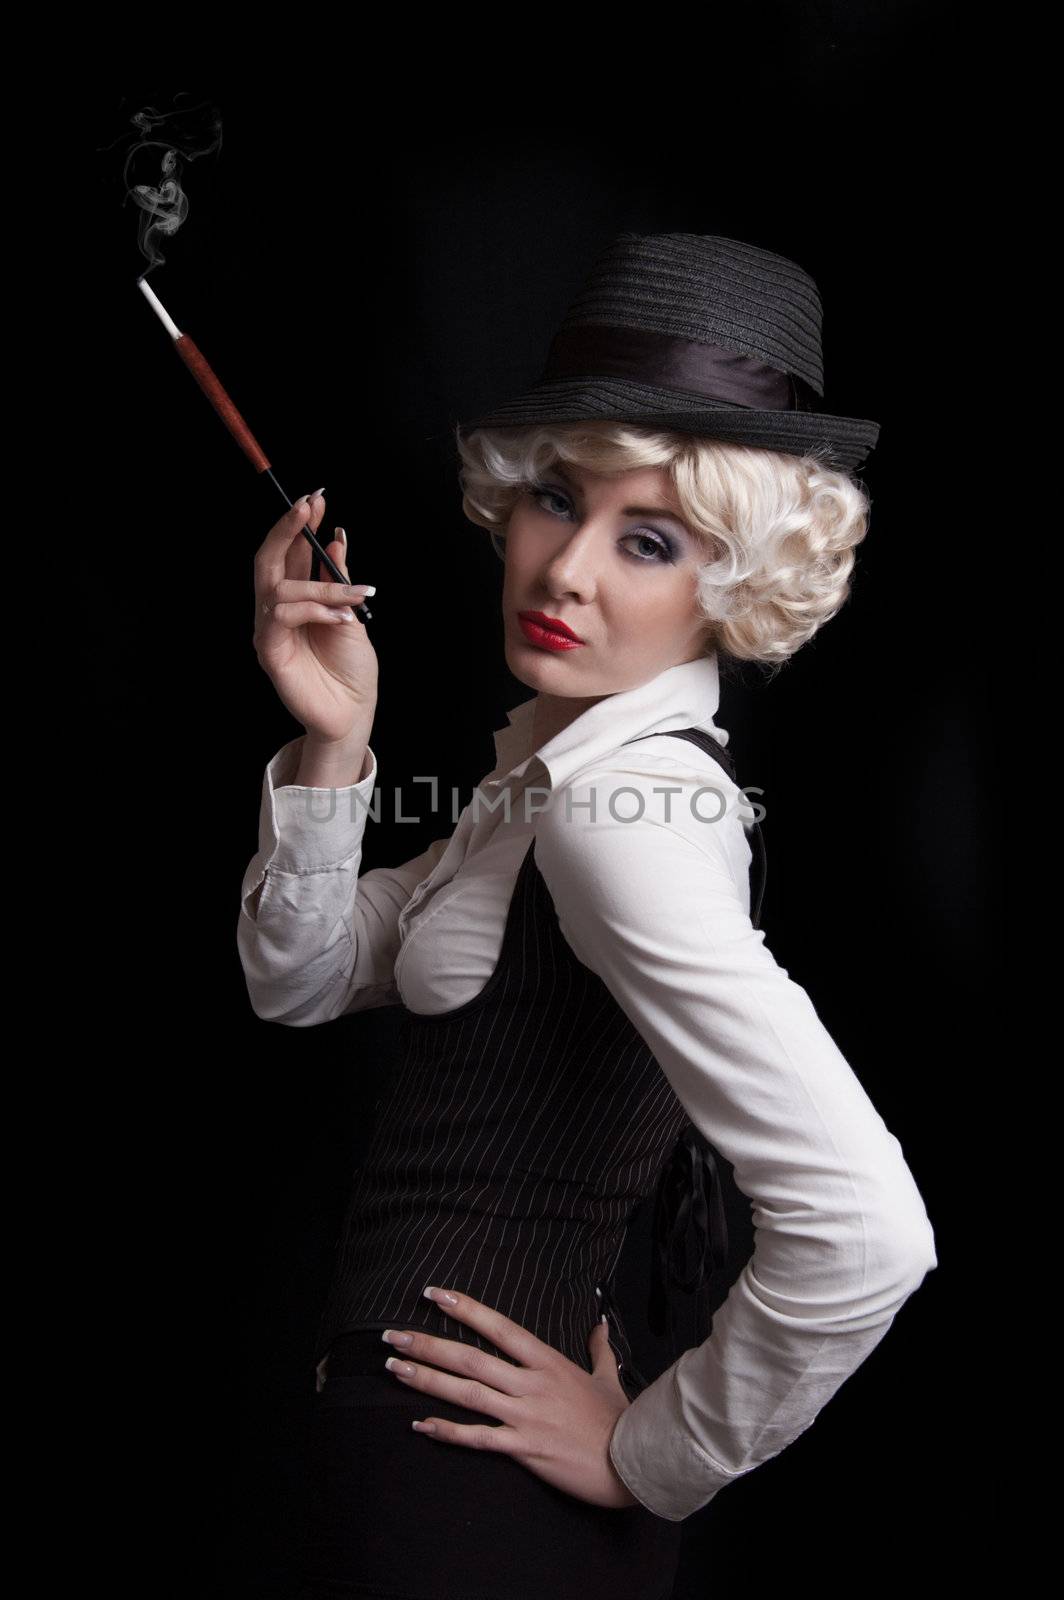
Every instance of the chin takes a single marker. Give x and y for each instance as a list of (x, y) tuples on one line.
[(540, 669)]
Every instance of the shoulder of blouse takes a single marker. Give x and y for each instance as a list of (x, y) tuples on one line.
[(633, 799)]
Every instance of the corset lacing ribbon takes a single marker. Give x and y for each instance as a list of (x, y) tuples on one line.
[(689, 1192)]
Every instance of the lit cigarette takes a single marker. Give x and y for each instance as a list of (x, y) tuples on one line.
[(160, 310), (200, 368)]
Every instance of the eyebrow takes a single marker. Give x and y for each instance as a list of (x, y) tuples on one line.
[(629, 511)]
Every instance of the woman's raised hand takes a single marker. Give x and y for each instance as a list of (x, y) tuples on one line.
[(308, 638)]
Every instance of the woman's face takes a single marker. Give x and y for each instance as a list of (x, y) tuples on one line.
[(610, 557)]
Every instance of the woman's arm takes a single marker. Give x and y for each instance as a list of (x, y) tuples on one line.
[(842, 1237), (315, 939)]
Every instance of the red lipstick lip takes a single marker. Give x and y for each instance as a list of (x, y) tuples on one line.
[(552, 624)]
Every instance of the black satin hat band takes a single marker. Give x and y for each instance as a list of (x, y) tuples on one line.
[(698, 335), (598, 350)]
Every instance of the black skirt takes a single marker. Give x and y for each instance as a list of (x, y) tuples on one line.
[(397, 1514)]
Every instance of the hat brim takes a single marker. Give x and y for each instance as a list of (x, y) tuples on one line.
[(848, 440)]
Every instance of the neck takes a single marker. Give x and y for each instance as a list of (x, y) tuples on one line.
[(554, 712)]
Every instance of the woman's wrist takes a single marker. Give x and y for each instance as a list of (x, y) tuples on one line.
[(333, 763)]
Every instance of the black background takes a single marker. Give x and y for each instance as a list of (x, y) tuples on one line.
[(373, 254)]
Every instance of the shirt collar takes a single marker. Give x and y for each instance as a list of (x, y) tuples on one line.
[(685, 696)]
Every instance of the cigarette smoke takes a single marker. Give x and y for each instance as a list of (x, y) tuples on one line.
[(169, 140)]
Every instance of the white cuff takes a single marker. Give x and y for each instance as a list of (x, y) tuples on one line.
[(315, 829), (654, 1454)]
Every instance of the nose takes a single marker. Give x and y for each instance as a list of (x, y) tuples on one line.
[(572, 571)]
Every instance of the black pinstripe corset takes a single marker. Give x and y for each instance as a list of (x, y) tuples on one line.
[(517, 1136)]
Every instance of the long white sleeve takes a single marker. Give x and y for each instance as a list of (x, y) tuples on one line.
[(318, 940), (842, 1237)]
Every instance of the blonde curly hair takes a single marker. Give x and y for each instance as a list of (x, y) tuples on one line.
[(779, 530)]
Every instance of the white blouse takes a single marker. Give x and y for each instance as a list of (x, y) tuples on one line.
[(644, 851)]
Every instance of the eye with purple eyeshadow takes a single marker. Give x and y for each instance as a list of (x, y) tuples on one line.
[(663, 547)]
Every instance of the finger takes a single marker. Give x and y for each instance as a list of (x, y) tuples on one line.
[(278, 550), (296, 613), (309, 554), (316, 502), (503, 1333), (604, 1360), (302, 560), (338, 550), (467, 1360), (282, 550), (465, 1392), (475, 1436), (314, 570), (303, 589)]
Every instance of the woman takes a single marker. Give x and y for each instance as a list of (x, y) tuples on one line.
[(580, 973)]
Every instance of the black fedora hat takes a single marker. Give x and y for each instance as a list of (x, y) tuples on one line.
[(696, 334)]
